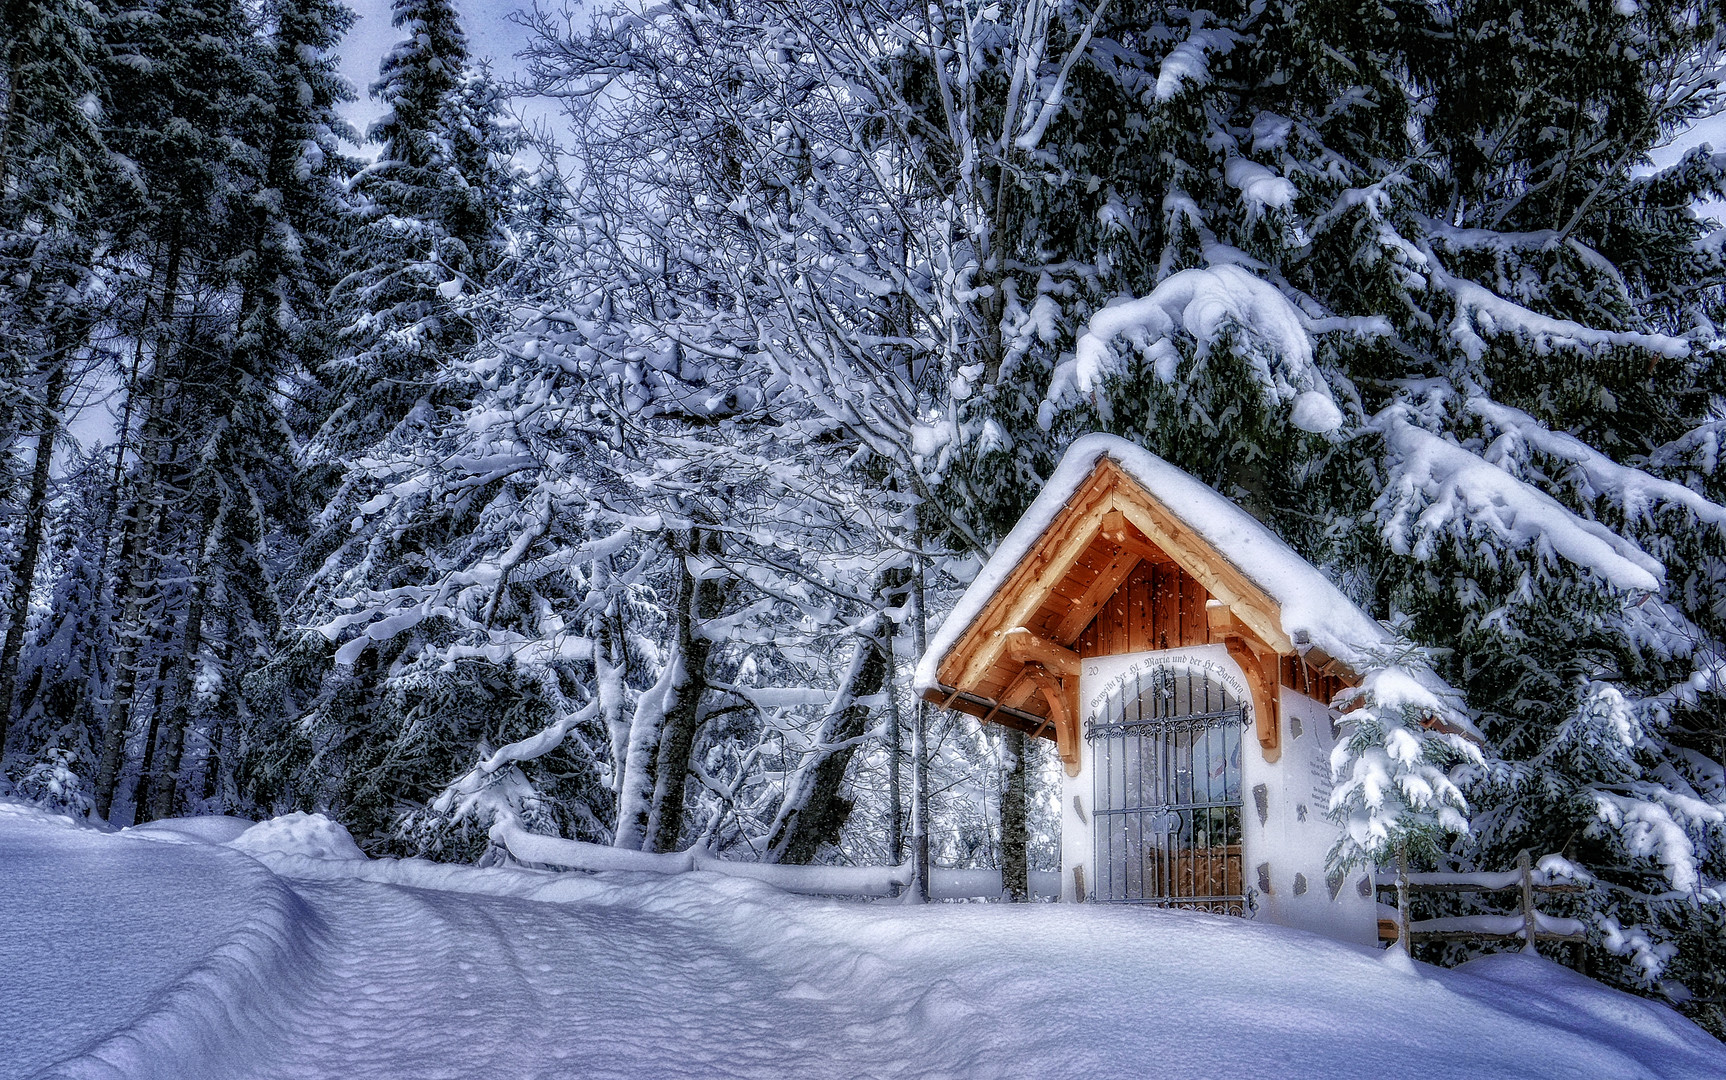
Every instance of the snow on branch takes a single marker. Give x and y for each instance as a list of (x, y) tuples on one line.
[(1480, 312), (1437, 489), (1207, 304), (1501, 243), (458, 797), (1051, 106), (1595, 475), (1650, 826), (1260, 188), (1189, 63), (1654, 813)]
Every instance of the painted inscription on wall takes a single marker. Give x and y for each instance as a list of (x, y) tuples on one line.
[(1169, 662)]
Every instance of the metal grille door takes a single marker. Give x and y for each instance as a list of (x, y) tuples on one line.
[(1166, 755)]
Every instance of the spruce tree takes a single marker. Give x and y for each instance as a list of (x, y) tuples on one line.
[(179, 87), (428, 229), (424, 237), (52, 166)]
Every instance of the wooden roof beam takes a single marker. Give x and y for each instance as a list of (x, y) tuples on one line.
[(1023, 598), (1260, 663), (1063, 698), (1014, 696), (1086, 607), (1120, 532), (1025, 647), (977, 706), (1221, 580)]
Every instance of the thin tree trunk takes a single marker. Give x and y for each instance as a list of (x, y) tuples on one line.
[(920, 751), (697, 599), (166, 787), (895, 797), (610, 663), (216, 753), (635, 787), (814, 809), (147, 767), (1015, 878), (213, 756), (7, 118), (30, 552)]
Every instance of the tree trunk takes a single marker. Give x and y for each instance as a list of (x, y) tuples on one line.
[(895, 751), (638, 761), (1015, 877), (813, 810), (165, 789), (919, 751), (610, 663), (8, 116), (30, 552), (641, 761), (143, 523), (147, 767), (216, 756), (696, 602), (213, 757)]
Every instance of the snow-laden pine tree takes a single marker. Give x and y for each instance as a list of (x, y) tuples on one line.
[(423, 238), (52, 166), (65, 663), (427, 230), (1401, 288)]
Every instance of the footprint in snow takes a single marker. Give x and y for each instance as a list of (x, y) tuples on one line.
[(943, 1005), (803, 991)]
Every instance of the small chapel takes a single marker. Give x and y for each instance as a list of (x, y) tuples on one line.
[(1182, 658)]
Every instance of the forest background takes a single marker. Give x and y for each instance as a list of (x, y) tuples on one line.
[(605, 474)]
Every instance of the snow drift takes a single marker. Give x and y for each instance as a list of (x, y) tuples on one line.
[(168, 953)]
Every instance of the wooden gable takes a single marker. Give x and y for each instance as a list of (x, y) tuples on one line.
[(1115, 572)]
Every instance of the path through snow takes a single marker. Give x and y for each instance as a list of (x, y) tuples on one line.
[(204, 961)]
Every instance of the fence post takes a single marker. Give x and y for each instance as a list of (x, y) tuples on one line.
[(1402, 937), (1530, 917)]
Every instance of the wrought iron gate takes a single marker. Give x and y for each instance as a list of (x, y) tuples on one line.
[(1166, 755)]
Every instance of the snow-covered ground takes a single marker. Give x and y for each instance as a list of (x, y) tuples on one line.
[(197, 949)]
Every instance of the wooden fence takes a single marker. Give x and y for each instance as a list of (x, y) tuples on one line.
[(1527, 925)]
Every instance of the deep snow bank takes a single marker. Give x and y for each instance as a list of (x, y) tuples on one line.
[(153, 954), (279, 962)]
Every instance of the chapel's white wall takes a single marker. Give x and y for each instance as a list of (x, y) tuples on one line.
[(1284, 848), (1286, 837)]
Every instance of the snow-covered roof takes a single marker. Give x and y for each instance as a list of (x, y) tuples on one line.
[(1313, 613)]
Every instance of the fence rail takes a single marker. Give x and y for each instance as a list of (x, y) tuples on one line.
[(944, 884), (1528, 925)]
